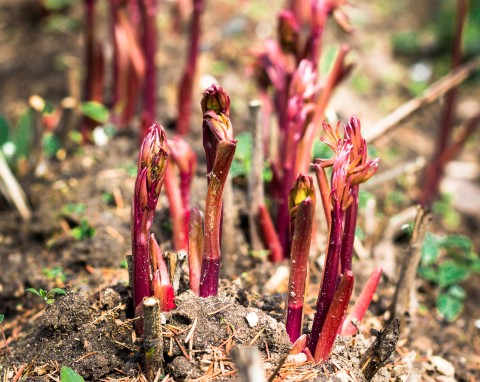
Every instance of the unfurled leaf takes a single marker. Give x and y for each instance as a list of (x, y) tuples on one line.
[(69, 375), (449, 273), (58, 291), (34, 291), (2, 317)]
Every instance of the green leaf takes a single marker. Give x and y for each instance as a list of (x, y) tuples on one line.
[(428, 273), (2, 317), (95, 111), (243, 154), (58, 291), (50, 144), (429, 249), (34, 291), (457, 291), (69, 375), (363, 198), (4, 130), (457, 243), (321, 150), (74, 208), (83, 231), (449, 273), (22, 136), (49, 301), (449, 306)]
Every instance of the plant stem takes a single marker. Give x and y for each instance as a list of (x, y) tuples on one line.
[(270, 235), (186, 84), (149, 45), (349, 232), (177, 211), (213, 214), (334, 319), (362, 303), (329, 279), (302, 237), (195, 249)]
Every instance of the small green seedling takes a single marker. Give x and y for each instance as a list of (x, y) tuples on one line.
[(48, 297), (83, 231), (70, 375), (446, 262)]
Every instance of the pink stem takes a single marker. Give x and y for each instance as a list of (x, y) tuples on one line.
[(362, 303), (269, 234), (302, 237), (334, 318)]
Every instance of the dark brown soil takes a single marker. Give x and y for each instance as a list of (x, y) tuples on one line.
[(90, 329)]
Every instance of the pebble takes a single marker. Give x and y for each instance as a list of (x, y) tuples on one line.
[(252, 319), (296, 358), (442, 366)]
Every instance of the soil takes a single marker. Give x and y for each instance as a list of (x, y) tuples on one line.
[(90, 329)]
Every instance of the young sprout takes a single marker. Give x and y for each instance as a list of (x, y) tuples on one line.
[(178, 179), (302, 208), (151, 167), (219, 149), (47, 297), (350, 168)]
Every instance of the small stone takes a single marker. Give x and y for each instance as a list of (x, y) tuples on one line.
[(296, 358), (252, 319), (442, 366)]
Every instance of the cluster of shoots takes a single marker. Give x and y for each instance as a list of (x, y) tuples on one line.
[(291, 85), (349, 168), (159, 162), (133, 71)]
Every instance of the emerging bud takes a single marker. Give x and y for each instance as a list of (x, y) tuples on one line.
[(215, 99), (302, 188), (288, 31), (154, 144)]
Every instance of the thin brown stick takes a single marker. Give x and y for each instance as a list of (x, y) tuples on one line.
[(401, 299), (435, 91), (152, 337)]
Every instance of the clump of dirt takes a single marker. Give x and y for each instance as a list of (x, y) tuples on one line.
[(90, 335), (93, 335), (218, 323)]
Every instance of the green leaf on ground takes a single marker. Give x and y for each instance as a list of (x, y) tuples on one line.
[(69, 375)]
